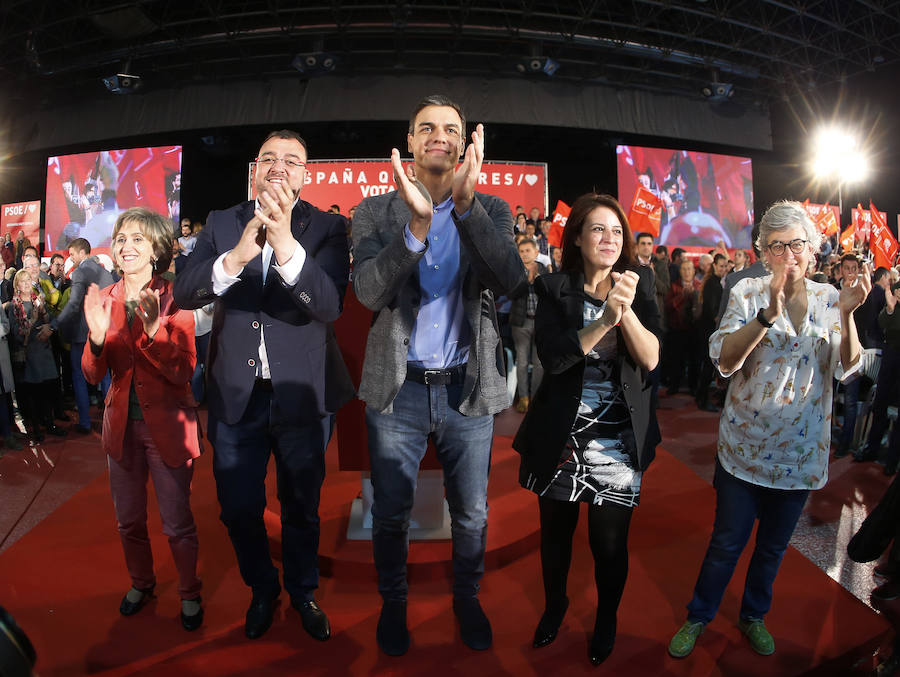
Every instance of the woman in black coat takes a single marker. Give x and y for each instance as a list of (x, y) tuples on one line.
[(591, 429)]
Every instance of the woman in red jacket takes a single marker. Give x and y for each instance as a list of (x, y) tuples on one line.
[(150, 421)]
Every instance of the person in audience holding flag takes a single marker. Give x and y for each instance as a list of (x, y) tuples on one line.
[(782, 339), (591, 430)]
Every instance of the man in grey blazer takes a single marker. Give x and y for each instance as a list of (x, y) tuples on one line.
[(429, 260)]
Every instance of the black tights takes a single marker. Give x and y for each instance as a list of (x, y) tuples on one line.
[(608, 536)]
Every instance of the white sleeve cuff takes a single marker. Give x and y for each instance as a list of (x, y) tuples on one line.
[(222, 281), (290, 271)]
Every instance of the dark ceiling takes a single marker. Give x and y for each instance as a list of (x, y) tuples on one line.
[(53, 51)]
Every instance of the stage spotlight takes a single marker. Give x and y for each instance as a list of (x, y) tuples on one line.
[(123, 83), (837, 155), (315, 63), (717, 91), (536, 65)]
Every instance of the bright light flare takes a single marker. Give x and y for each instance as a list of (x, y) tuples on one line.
[(837, 153)]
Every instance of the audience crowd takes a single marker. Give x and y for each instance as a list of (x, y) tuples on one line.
[(680, 299)]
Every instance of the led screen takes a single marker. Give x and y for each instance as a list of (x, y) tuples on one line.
[(704, 197), (86, 192)]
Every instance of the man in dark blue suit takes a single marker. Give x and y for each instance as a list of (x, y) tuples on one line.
[(277, 269)]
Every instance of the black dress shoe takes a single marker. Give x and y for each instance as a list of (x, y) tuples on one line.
[(260, 615), (191, 623), (392, 634), (474, 626), (315, 622), (129, 608), (548, 626)]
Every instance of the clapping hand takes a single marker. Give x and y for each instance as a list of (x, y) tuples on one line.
[(275, 205), (467, 173), (97, 313), (414, 194), (620, 297), (148, 311), (890, 298), (854, 294)]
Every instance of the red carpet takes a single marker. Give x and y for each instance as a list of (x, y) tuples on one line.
[(64, 579)]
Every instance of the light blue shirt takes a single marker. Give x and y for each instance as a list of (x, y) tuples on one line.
[(441, 336)]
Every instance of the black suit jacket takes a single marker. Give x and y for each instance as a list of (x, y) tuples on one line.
[(560, 314), (295, 320), (70, 321)]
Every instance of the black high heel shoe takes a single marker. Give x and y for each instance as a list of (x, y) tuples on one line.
[(602, 643), (191, 623), (129, 608), (548, 626)]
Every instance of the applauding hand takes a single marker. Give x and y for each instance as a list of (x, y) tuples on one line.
[(97, 313)]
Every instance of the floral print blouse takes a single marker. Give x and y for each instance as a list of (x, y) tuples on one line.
[(775, 429)]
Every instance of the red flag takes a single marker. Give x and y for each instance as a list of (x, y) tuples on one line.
[(828, 221), (560, 216), (861, 224), (884, 244), (646, 210), (847, 238)]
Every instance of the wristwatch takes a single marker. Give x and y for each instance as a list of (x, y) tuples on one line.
[(761, 318)]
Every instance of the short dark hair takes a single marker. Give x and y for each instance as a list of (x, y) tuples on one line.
[(637, 238), (850, 257), (57, 256), (32, 247), (527, 240), (79, 244), (678, 251), (581, 209), (437, 100), (662, 249), (285, 134), (719, 257), (880, 272)]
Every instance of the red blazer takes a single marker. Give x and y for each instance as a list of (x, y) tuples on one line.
[(161, 370)]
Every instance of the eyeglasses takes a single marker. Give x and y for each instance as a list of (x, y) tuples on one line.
[(269, 161), (777, 248)]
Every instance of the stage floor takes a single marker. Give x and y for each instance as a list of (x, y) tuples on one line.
[(62, 576)]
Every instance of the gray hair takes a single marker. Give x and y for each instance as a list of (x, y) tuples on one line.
[(785, 214)]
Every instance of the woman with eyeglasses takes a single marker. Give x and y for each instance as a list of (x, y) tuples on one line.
[(783, 339)]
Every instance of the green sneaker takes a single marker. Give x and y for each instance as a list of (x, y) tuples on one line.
[(760, 638), (683, 641)]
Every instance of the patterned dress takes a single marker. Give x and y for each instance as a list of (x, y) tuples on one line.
[(595, 465)]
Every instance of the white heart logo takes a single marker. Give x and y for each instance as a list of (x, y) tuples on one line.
[(531, 179), (31, 208)]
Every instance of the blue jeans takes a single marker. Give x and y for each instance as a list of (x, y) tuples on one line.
[(738, 505), (240, 459), (79, 386), (397, 443)]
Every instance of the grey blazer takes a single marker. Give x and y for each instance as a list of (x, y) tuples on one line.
[(386, 280)]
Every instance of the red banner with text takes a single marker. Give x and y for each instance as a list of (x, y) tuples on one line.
[(21, 217), (346, 182), (827, 216)]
